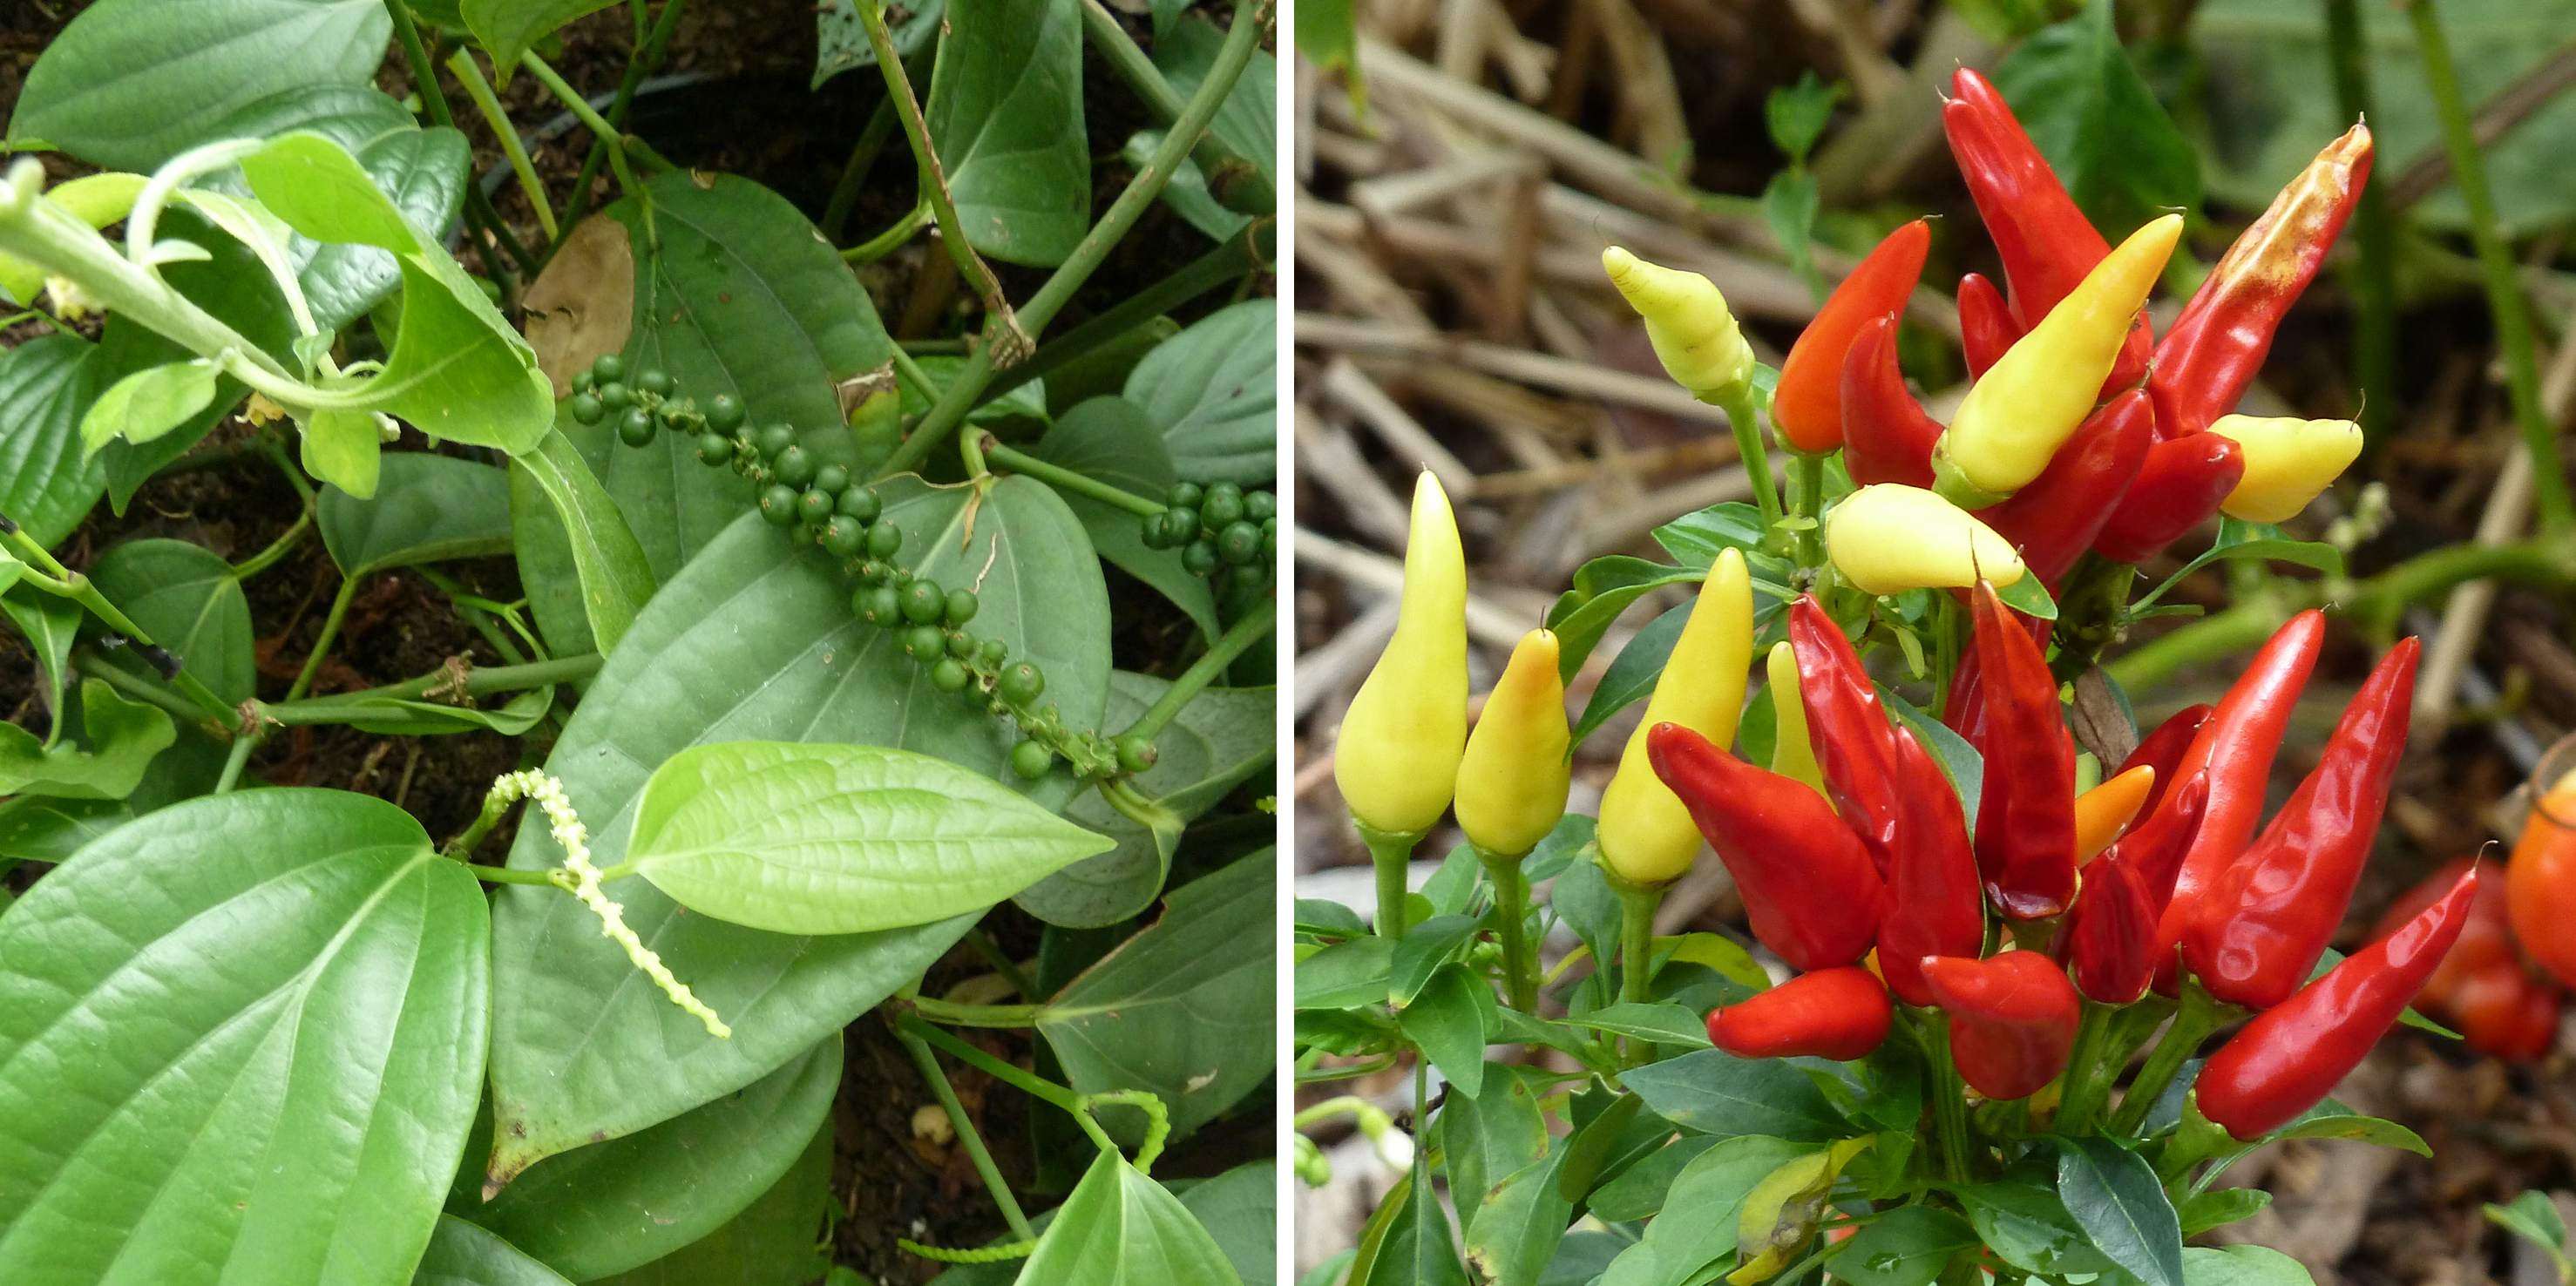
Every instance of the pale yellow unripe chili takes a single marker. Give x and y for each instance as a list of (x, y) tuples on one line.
[(1687, 321), (1396, 758), (1889, 538), (1646, 835), (1512, 781), (1793, 755), (2038, 393), (2287, 462)]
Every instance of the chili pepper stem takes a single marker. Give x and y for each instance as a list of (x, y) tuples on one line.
[(1392, 851), (1949, 1094), (1744, 419), (2200, 1015), (2088, 1079), (1511, 906), (1811, 504), (2035, 935)]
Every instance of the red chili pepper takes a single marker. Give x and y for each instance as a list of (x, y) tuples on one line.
[(2504, 1011), (2046, 243), (2057, 516), (1808, 886), (1807, 406), (2259, 928), (2217, 345), (2292, 1054), (2163, 750), (2154, 849), (1840, 1013), (2109, 939), (1887, 436), (1854, 743), (2482, 986), (2026, 811), (1986, 325), (1933, 904), (2012, 1019), (2178, 488)]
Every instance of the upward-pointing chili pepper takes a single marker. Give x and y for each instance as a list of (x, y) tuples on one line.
[(2182, 483), (1396, 758), (1887, 436), (2235, 748), (2154, 851), (1855, 745), (1934, 907), (2054, 519), (1686, 319), (2260, 926), (1807, 406), (2040, 391), (2026, 814), (2110, 935), (2287, 462), (1891, 538), (1809, 890), (2217, 345), (1986, 325), (1840, 1013), (2106, 810), (1512, 779), (2292, 1054), (1645, 835), (2163, 750), (2012, 1019)]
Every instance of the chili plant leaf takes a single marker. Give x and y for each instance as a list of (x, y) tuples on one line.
[(1714, 1092), (1662, 1022), (1712, 1188), (1005, 116), (186, 599), (1633, 673), (131, 83), (1446, 1021), (1907, 1246), (1182, 1009), (619, 1205), (2098, 124), (427, 509), (1120, 1226), (1495, 1132), (1346, 975), (1113, 440), (508, 28), (1212, 389), (273, 1003), (2028, 1226), (463, 1254), (2115, 1198), (1513, 1229), (123, 737), (1640, 1190), (47, 483), (2242, 1266), (771, 1243), (754, 640)]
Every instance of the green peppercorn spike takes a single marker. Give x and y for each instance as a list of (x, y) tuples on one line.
[(773, 440), (583, 381), (843, 538), (794, 467), (996, 651), (962, 645), (615, 396), (1180, 526), (1135, 753), (1239, 543), (879, 605), (1184, 495), (1200, 558), (961, 606), (948, 675), (1260, 506), (1022, 683), (925, 644), (715, 448), (1222, 508), (778, 505), (831, 478)]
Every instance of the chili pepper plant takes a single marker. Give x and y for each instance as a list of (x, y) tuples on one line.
[(2001, 924), (812, 671)]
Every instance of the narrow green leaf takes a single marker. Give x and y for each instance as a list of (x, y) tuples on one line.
[(2242, 1266), (1446, 1022), (2115, 1198), (1712, 1188), (1491, 1133), (610, 574), (1663, 1022), (1513, 1230), (2029, 1227), (1907, 1246)]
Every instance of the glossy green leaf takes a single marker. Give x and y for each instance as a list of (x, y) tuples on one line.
[(1182, 1009), (1447, 1023), (744, 298), (2116, 1200), (1424, 948), (1640, 1190), (1248, 120), (2359, 1128), (772, 1243), (2242, 1266), (34, 828), (2216, 1208), (427, 509), (841, 41), (1493, 1133), (320, 190), (1513, 1230), (1327, 33), (508, 28), (1240, 1210), (123, 737), (2098, 124), (184, 597), (131, 83), (1714, 1092), (1213, 388), (50, 624), (47, 482), (840, 839), (1187, 191), (273, 1003), (1663, 1022), (1005, 116), (1112, 440), (2028, 1226), (1119, 1227), (2534, 1218), (1712, 1188), (1603, 589), (344, 449), (462, 1254), (1222, 737), (403, 718), (1633, 673), (1346, 974), (586, 572), (148, 403), (613, 1206), (458, 371), (1026, 403), (755, 641), (1907, 1246), (1409, 1241)]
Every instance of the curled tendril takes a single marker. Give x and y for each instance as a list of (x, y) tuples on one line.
[(583, 883)]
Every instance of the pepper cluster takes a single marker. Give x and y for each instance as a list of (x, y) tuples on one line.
[(1217, 526), (826, 507), (2136, 885)]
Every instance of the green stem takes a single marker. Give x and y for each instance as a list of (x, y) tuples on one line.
[(1392, 853), (649, 55), (1741, 417), (496, 805), (1637, 903), (322, 644), (1133, 66), (890, 240), (2200, 1015), (277, 548), (2504, 295), (1063, 479), (863, 156), (341, 707), (2086, 1078), (970, 450), (92, 666), (1002, 963), (1810, 473), (934, 178), (1949, 1097), (1237, 638), (1511, 906), (233, 761), (1227, 262), (955, 1015), (1028, 1083), (964, 391), (469, 75), (72, 585), (2374, 232), (505, 875), (974, 1143)]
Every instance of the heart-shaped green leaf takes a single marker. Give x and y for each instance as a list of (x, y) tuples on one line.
[(509, 27), (1213, 389), (427, 509), (47, 482), (1112, 440), (772, 1243), (185, 598), (1120, 1226), (1005, 116), (123, 736)]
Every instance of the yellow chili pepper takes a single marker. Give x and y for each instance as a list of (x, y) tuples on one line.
[(1646, 835), (1792, 754), (1396, 759), (2106, 810), (1511, 784), (1688, 323), (1890, 538), (2287, 462), (2035, 396)]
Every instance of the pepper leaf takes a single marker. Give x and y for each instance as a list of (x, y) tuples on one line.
[(2112, 144), (2114, 1196)]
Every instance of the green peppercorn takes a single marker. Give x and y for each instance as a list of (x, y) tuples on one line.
[(923, 602), (635, 427), (615, 396), (924, 643), (654, 380), (778, 504), (608, 368), (1239, 543), (793, 467), (831, 478), (1260, 506), (1183, 496), (1200, 558), (773, 440), (583, 381), (1269, 546), (948, 675), (586, 408), (884, 539), (1022, 683), (860, 504), (996, 651), (1031, 760), (872, 571), (1156, 531), (724, 414), (1136, 753), (714, 448), (843, 538), (961, 606), (1223, 506), (878, 605), (815, 507), (962, 645), (1180, 527)]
